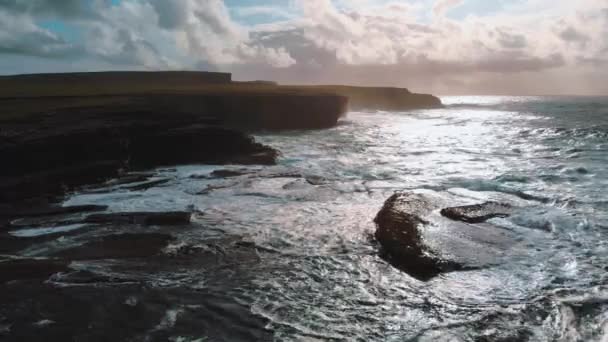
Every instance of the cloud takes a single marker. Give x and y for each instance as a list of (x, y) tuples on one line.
[(47, 8), (171, 14), (512, 41), (339, 41), (21, 36), (205, 29), (570, 34), (250, 11), (441, 7)]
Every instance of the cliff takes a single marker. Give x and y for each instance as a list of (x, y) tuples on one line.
[(109, 79), (263, 95), (208, 95), (61, 131), (380, 98)]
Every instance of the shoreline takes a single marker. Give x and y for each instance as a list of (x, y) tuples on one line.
[(63, 138)]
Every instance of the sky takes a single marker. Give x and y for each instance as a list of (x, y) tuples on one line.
[(498, 47)]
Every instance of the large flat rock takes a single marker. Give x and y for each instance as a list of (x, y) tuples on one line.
[(118, 246), (417, 239)]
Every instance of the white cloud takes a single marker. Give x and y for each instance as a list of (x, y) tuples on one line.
[(371, 41), (250, 11), (20, 35), (441, 7)]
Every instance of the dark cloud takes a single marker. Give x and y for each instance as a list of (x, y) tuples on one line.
[(171, 14), (19, 35), (39, 44), (126, 48), (593, 62), (570, 34), (512, 41)]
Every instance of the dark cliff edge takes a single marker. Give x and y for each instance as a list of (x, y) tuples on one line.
[(380, 98), (61, 131), (94, 132)]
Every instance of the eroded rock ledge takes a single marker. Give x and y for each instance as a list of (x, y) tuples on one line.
[(424, 240), (47, 155)]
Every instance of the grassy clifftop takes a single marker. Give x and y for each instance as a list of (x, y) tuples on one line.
[(199, 83)]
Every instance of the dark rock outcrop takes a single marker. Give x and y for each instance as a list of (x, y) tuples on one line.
[(129, 312), (226, 173), (399, 224), (20, 269), (51, 210), (415, 238), (477, 213), (118, 246), (56, 154), (143, 218), (146, 185)]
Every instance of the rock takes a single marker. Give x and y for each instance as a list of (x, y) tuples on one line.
[(212, 187), (226, 173), (50, 210), (130, 178), (57, 154), (418, 240), (316, 180), (20, 269), (54, 181), (82, 277), (196, 144), (118, 246), (146, 185), (143, 218), (128, 312), (398, 231), (298, 184), (299, 108), (477, 213)]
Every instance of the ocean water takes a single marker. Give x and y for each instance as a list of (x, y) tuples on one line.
[(318, 275)]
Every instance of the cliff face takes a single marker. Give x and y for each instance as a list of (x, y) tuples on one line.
[(60, 131), (47, 155), (381, 98), (211, 96), (270, 111)]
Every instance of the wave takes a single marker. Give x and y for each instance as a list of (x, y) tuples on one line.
[(599, 132)]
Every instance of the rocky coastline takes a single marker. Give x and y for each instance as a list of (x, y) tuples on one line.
[(68, 132)]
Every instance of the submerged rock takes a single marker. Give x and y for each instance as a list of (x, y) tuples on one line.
[(316, 180), (20, 269), (477, 213), (144, 218), (226, 173), (119, 246), (51, 210), (146, 185)]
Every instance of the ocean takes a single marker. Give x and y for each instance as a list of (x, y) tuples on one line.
[(317, 274)]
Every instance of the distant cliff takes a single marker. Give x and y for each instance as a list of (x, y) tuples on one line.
[(59, 132), (211, 96), (380, 98), (128, 83), (105, 79)]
